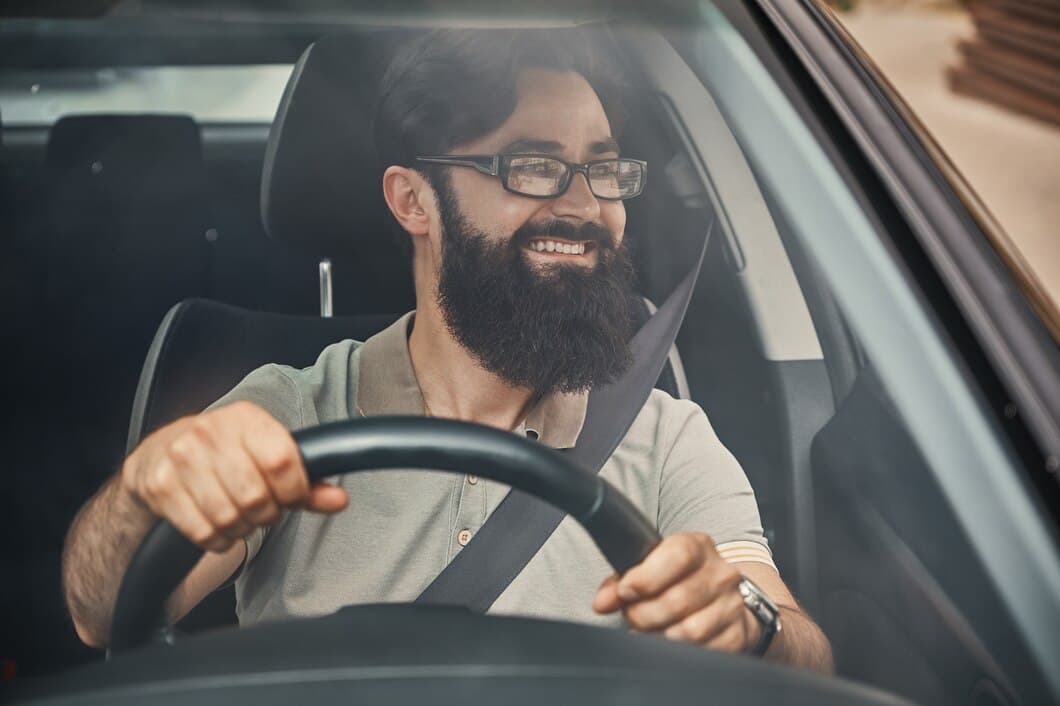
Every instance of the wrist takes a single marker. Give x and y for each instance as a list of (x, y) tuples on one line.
[(126, 501), (764, 612)]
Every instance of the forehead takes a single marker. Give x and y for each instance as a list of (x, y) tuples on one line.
[(552, 105)]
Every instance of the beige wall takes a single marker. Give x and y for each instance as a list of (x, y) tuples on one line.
[(1012, 161)]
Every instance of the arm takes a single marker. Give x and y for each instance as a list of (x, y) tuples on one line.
[(685, 590), (216, 476), (800, 640), (98, 548)]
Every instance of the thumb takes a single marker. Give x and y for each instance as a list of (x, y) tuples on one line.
[(607, 600), (324, 497)]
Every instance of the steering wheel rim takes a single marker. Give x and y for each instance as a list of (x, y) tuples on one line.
[(619, 529)]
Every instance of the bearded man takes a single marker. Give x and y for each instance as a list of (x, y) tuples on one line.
[(502, 170)]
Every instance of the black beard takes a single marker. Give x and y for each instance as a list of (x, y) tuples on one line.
[(561, 328)]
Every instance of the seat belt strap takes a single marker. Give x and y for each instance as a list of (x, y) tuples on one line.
[(521, 524)]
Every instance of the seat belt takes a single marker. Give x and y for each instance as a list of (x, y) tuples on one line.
[(521, 524)]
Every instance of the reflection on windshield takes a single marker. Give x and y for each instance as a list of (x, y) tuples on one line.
[(210, 94)]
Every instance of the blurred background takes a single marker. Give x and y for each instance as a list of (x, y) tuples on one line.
[(984, 78)]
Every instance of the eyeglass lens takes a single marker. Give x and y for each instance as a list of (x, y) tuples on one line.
[(543, 176)]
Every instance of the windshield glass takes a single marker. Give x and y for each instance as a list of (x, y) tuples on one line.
[(209, 94), (224, 227)]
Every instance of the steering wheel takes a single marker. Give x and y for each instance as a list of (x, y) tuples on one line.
[(624, 536)]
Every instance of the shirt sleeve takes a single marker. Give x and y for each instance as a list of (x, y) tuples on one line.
[(271, 388), (703, 489)]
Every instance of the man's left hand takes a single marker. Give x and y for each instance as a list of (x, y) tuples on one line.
[(685, 591)]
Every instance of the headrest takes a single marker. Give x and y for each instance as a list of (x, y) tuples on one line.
[(142, 140), (320, 192)]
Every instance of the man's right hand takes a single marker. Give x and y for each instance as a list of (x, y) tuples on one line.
[(219, 474)]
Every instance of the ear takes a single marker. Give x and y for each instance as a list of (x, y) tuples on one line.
[(406, 192)]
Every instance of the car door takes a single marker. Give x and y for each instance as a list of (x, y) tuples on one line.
[(937, 564), (934, 494)]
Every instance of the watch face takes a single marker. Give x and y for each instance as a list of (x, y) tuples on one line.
[(758, 602)]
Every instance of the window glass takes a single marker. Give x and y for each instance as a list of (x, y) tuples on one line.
[(210, 94)]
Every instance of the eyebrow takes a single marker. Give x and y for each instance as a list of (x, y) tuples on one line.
[(608, 144), (531, 144)]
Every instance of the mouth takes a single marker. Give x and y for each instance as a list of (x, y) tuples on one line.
[(560, 249)]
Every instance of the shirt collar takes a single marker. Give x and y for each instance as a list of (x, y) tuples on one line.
[(386, 384)]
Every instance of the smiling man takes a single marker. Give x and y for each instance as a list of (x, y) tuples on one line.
[(501, 167)]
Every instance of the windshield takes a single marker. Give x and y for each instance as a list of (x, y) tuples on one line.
[(256, 202)]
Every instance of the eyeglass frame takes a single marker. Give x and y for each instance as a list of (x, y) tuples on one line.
[(496, 165)]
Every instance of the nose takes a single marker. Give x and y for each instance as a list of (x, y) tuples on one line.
[(578, 201)]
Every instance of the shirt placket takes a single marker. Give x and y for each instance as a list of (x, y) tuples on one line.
[(470, 513)]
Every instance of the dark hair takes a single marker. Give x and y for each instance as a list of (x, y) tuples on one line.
[(449, 86)]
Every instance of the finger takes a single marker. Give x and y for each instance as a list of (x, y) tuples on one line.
[(675, 557), (674, 604), (710, 622), (194, 462), (168, 499), (215, 504), (324, 497), (732, 639), (243, 482), (276, 455), (606, 599)]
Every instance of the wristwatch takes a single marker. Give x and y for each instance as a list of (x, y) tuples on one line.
[(764, 610)]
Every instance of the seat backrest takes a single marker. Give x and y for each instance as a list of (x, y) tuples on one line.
[(127, 218), (204, 348)]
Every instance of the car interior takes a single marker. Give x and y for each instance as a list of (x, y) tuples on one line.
[(150, 261)]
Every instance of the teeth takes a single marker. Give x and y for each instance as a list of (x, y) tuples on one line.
[(553, 246)]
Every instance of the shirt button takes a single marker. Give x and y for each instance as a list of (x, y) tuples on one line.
[(463, 536), (472, 480)]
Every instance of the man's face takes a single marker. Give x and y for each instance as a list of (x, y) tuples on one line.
[(559, 114), (547, 321)]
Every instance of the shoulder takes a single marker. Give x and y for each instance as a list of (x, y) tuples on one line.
[(301, 397), (664, 421)]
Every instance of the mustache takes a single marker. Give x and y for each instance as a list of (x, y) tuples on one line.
[(565, 230)]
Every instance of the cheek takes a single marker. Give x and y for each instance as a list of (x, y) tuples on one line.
[(492, 209), (613, 216)]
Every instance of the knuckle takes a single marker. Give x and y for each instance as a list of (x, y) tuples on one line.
[(684, 553), (255, 497), (226, 517), (203, 535), (180, 450), (276, 459), (201, 426), (160, 481), (697, 628)]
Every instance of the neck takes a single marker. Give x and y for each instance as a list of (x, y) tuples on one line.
[(453, 383)]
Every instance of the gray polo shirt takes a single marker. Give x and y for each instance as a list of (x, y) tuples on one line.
[(403, 527)]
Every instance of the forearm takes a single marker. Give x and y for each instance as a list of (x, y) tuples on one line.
[(800, 642), (98, 548)]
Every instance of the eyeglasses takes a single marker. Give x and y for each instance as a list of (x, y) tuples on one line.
[(543, 177)]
